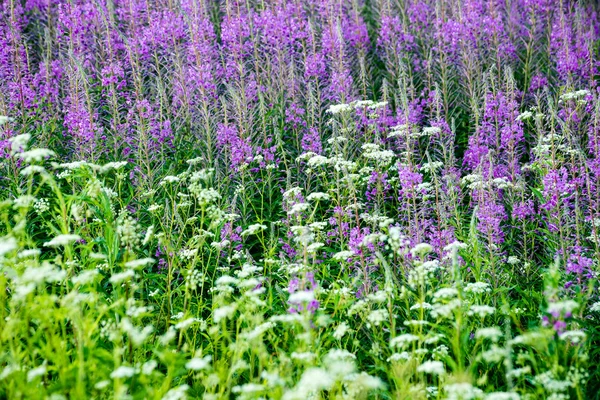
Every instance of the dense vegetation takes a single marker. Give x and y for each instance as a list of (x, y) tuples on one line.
[(291, 199)]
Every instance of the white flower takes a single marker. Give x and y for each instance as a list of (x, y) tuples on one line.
[(139, 263), (416, 322), (432, 367), (102, 384), (34, 373), (421, 305), (168, 336), (187, 254), (72, 166), (462, 391), (403, 340), (303, 296), (253, 230), (379, 104), (343, 255), (25, 253), (551, 384), (4, 119), (224, 312), (338, 354), (360, 383), (445, 310), (383, 156), (340, 331), (434, 338), (376, 317), (593, 308), (36, 155), (334, 140), (112, 165), (494, 333), (456, 245), (148, 367), (574, 95), (338, 108), (154, 207), (495, 354), (306, 156), (404, 356), (317, 161), (512, 260), (169, 179), (445, 293), (518, 372), (177, 393), (318, 196), (186, 323), (481, 310), (529, 338), (314, 247), (362, 103), (399, 130), (298, 208), (32, 169), (563, 307), (226, 280), (137, 336), (302, 234), (378, 297), (315, 379), (7, 244), (258, 331), (85, 277), (62, 240), (292, 192), (524, 115), (19, 142), (248, 388), (431, 167), (478, 287), (122, 372), (573, 336), (421, 249), (305, 356), (287, 318), (115, 279), (199, 364), (502, 396), (431, 130)]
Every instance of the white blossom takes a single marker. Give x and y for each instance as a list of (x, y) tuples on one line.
[(432, 367), (199, 364), (62, 240)]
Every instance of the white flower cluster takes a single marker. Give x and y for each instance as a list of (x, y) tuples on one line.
[(253, 230)]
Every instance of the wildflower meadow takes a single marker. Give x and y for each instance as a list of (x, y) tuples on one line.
[(299, 199)]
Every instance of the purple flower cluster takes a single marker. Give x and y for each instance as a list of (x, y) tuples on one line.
[(487, 126)]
